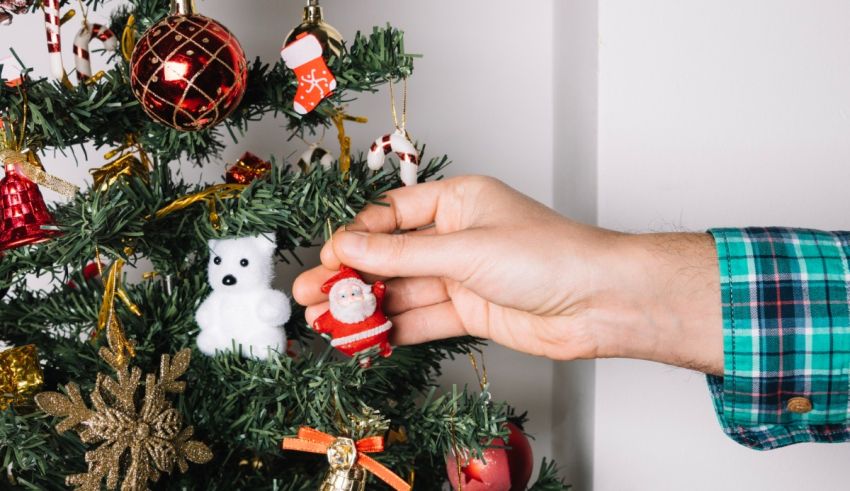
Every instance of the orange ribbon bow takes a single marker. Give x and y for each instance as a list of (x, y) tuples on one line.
[(314, 441)]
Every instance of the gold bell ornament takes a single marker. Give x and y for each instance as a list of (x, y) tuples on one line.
[(349, 464)]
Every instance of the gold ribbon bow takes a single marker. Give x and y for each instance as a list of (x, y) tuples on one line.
[(209, 195), (344, 452), (339, 119), (30, 166), (20, 375), (107, 318)]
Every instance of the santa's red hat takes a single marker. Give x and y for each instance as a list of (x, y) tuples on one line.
[(344, 273)]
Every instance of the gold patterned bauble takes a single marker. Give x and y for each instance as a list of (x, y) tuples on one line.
[(137, 443), (314, 23), (188, 71)]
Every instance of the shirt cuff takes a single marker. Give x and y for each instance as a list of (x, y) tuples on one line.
[(785, 296)]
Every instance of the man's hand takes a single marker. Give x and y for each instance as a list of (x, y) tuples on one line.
[(476, 257)]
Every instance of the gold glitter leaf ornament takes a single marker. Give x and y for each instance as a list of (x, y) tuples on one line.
[(136, 444)]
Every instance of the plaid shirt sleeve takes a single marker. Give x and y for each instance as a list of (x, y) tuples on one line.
[(786, 336)]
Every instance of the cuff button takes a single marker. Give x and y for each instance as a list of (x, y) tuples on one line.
[(799, 405)]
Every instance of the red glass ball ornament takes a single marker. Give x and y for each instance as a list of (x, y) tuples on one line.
[(188, 72), (520, 458), (23, 211), (502, 469)]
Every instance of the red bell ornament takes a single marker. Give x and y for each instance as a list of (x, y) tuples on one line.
[(188, 71), (23, 211)]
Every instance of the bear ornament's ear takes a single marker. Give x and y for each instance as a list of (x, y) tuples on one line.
[(267, 243), (213, 246)]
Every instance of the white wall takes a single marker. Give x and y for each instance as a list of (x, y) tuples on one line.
[(711, 114), (575, 192), (465, 101)]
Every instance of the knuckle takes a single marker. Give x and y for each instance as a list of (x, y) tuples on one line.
[(479, 183), (398, 246)]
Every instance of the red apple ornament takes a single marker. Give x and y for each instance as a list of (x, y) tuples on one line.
[(502, 469)]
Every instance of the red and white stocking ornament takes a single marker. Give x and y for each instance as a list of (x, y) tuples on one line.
[(304, 56), (399, 143), (355, 321), (82, 56)]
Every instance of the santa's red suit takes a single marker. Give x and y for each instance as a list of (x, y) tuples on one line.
[(372, 331)]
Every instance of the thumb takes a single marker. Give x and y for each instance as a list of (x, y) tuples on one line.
[(406, 255)]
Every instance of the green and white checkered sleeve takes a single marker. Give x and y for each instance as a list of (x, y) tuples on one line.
[(786, 336)]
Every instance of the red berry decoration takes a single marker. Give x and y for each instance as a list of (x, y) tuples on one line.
[(501, 469), (188, 71)]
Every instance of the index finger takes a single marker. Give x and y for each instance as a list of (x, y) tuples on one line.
[(405, 209)]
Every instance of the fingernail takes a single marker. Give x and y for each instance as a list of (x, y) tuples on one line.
[(355, 227), (354, 244)]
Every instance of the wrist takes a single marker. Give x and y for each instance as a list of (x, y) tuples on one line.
[(662, 301)]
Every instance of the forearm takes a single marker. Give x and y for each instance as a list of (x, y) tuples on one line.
[(663, 301)]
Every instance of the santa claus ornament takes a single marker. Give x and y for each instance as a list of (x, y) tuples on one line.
[(355, 321)]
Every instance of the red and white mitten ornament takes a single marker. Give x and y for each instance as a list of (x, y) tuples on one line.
[(398, 142), (355, 320), (315, 80)]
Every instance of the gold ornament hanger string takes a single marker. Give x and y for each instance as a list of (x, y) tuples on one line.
[(481, 373), (25, 106), (85, 12), (403, 125)]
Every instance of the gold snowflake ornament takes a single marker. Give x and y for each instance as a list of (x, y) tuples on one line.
[(136, 444)]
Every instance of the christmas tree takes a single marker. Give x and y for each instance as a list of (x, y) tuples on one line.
[(106, 384)]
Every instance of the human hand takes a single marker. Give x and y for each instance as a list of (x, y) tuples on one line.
[(498, 265)]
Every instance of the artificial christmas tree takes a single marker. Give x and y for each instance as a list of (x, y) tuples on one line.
[(241, 408)]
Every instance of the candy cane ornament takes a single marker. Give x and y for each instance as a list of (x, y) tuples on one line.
[(82, 56), (408, 156), (54, 41)]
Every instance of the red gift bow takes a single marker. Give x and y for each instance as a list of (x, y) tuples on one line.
[(314, 441)]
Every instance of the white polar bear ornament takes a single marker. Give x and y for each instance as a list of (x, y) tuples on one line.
[(243, 309)]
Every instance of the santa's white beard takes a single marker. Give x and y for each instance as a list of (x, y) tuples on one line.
[(355, 312)]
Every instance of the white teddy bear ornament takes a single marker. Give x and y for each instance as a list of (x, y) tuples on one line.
[(243, 309)]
